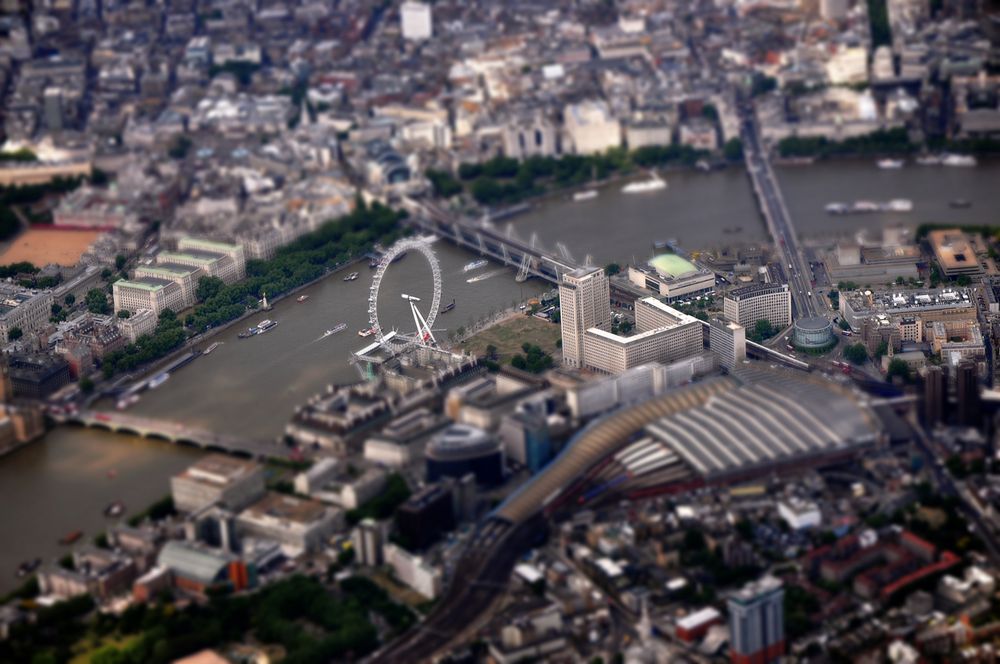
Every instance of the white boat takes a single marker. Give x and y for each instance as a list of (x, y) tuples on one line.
[(266, 325), (351, 277), (211, 348), (930, 160), (959, 160), (865, 206), (157, 380), (339, 327), (899, 205), (837, 208), (654, 183), (482, 277), (887, 164), (302, 298), (366, 333), (590, 194), (475, 265), (127, 401)]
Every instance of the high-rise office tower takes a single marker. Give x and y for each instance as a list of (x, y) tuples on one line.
[(368, 543), (728, 340), (584, 302), (967, 393), (416, 21), (935, 396), (757, 622)]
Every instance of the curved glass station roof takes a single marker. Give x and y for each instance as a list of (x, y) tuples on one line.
[(750, 421)]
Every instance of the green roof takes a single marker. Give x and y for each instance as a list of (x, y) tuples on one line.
[(194, 243), (672, 265), (169, 268), (189, 256), (149, 284)]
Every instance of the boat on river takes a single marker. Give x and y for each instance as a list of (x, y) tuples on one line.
[(587, 195), (961, 160), (890, 164), (212, 347), (654, 183), (125, 402), (448, 307), (302, 298), (114, 510), (475, 265), (70, 538), (158, 380), (339, 327)]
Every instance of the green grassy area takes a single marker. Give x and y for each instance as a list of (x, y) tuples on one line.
[(509, 335), (91, 645)]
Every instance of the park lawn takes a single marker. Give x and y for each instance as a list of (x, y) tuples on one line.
[(85, 652), (509, 335)]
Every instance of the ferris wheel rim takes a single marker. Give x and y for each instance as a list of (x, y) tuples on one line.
[(390, 255)]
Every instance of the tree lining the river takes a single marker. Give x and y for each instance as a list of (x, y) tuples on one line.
[(504, 180), (294, 265)]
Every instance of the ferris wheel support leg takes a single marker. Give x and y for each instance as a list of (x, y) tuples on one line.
[(423, 329)]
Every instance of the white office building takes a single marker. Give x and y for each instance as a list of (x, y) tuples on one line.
[(147, 293), (591, 128), (230, 271), (141, 322), (664, 335), (298, 525), (728, 340), (368, 539), (217, 479), (585, 303), (416, 21), (413, 571), (770, 302), (184, 276)]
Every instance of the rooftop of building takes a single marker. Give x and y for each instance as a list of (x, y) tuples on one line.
[(144, 283), (772, 418), (460, 441), (754, 290), (423, 498), (756, 590), (193, 561), (676, 316), (171, 269), (219, 469), (953, 249), (286, 508), (194, 242), (673, 265), (196, 255), (813, 323), (903, 301), (582, 272)]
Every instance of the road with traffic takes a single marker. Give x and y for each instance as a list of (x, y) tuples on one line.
[(805, 302)]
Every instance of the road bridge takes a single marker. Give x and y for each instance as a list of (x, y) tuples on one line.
[(779, 221), (174, 432)]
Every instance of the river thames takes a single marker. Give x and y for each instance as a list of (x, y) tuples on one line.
[(251, 386), (246, 387)]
